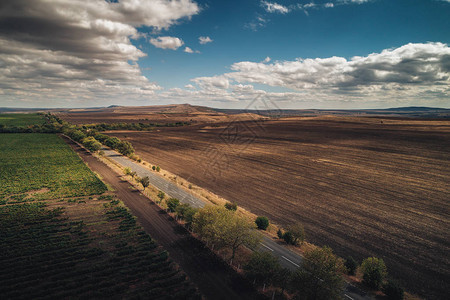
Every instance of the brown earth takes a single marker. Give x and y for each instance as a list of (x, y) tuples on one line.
[(161, 114), (215, 279), (364, 186)]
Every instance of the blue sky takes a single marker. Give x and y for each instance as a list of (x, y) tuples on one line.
[(298, 54), (345, 30)]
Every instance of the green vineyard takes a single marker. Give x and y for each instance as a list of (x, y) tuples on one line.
[(45, 165), (63, 237)]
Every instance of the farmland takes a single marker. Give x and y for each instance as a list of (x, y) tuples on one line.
[(20, 119), (42, 166), (364, 186), (64, 236)]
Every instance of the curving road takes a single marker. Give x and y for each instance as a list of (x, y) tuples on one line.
[(287, 258)]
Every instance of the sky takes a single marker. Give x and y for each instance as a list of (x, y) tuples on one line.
[(338, 54)]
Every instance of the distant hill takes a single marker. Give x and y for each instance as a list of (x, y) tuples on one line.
[(194, 110)]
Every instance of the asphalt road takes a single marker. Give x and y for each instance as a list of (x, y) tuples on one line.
[(214, 278), (287, 258)]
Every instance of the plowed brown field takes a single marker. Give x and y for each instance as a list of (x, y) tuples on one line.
[(360, 185)]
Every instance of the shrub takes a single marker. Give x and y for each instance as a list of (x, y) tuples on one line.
[(190, 186), (393, 290), (374, 272), (145, 182), (125, 148), (127, 171), (295, 234), (158, 169), (288, 238), (280, 234), (77, 135), (351, 264), (153, 168), (231, 206), (172, 204), (91, 144), (112, 142), (262, 222), (161, 196)]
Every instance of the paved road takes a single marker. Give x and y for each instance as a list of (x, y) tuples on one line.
[(214, 278), (157, 181), (287, 258)]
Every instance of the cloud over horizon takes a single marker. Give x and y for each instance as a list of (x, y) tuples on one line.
[(413, 71)]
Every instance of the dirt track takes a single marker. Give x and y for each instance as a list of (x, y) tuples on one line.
[(363, 187), (214, 278)]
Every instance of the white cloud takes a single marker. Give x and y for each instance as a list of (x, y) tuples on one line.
[(204, 40), (273, 7), (266, 60), (167, 42), (62, 50), (212, 83), (411, 64), (413, 73), (189, 50), (328, 5), (257, 23)]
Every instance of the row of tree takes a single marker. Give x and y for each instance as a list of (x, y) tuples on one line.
[(93, 141), (131, 126), (320, 275)]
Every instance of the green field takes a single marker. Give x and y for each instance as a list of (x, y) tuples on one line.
[(44, 164), (63, 237), (9, 120)]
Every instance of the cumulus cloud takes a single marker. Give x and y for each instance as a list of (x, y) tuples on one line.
[(411, 64), (204, 40), (72, 50), (273, 7), (189, 50), (413, 72), (212, 83), (167, 42)]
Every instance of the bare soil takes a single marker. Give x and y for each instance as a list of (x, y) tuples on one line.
[(364, 186), (162, 114)]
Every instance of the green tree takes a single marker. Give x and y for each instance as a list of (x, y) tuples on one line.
[(225, 229), (186, 213), (374, 272), (351, 264), (282, 279), (231, 206), (153, 168), (77, 135), (393, 290), (262, 222), (262, 267), (125, 148), (158, 169), (91, 144), (145, 182), (295, 234), (172, 204), (112, 142), (319, 276)]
